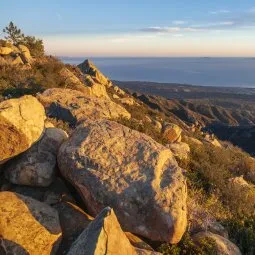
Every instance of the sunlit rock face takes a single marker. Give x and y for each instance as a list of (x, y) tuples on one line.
[(110, 164), (27, 226), (21, 125), (72, 106)]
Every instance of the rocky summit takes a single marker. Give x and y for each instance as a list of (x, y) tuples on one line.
[(89, 168)]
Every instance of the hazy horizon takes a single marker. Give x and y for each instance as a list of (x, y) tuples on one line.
[(132, 29), (217, 72)]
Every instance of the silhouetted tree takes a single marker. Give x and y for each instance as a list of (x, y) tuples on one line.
[(14, 34)]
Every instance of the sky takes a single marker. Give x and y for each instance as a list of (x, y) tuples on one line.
[(166, 28)]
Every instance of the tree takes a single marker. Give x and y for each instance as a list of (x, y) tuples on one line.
[(14, 34), (35, 46)]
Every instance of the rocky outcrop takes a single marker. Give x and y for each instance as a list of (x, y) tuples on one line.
[(21, 125), (88, 68), (180, 150), (25, 54), (171, 132), (72, 106), (12, 55), (88, 87), (5, 51), (222, 245), (27, 226), (110, 164), (36, 166)]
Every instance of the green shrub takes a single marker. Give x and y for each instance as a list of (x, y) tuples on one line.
[(187, 246)]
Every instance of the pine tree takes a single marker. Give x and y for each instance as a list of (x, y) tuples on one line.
[(14, 34)]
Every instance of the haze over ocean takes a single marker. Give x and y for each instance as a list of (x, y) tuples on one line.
[(228, 72)]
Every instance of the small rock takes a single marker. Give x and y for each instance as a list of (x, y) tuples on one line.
[(171, 132), (180, 150)]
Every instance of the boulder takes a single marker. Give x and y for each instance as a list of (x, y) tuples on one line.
[(171, 132), (90, 69), (72, 106), (103, 236), (5, 50), (21, 125), (222, 245), (119, 91), (110, 164), (128, 101), (25, 54), (27, 226), (180, 150), (36, 166)]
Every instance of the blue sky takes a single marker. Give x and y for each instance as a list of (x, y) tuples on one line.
[(137, 28)]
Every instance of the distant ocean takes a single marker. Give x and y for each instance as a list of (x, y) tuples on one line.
[(227, 72)]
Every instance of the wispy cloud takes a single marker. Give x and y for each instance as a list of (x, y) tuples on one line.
[(219, 12), (169, 29), (161, 29), (179, 22)]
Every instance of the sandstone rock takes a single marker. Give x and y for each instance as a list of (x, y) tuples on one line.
[(88, 68), (171, 132), (17, 61), (21, 125), (110, 164), (119, 91), (36, 166), (180, 150), (212, 141), (71, 81), (103, 236), (72, 106), (27, 226), (5, 51), (223, 245), (128, 101), (25, 53), (115, 96), (94, 88)]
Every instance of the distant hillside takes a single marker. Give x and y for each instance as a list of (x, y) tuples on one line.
[(227, 112)]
